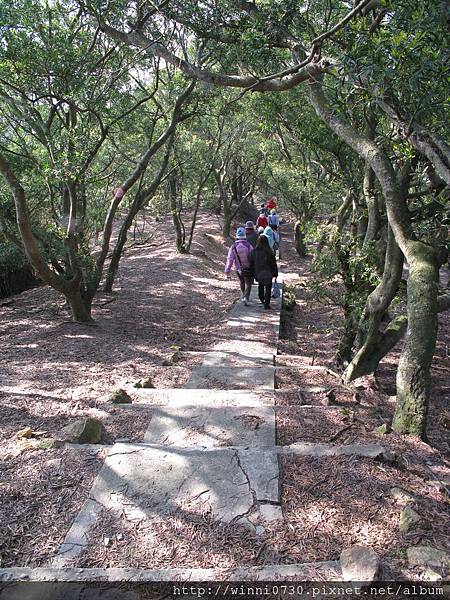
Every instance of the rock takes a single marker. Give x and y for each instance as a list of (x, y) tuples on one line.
[(120, 396), (441, 486), (402, 497), (83, 431), (409, 518), (426, 556), (49, 443), (27, 432), (54, 463), (430, 575), (391, 457), (243, 522), (144, 383), (270, 512), (259, 530), (330, 396), (359, 563), (382, 429)]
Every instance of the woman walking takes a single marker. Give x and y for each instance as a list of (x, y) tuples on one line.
[(239, 256), (264, 266)]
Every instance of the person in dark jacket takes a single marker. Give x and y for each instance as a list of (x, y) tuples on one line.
[(264, 267), (250, 233)]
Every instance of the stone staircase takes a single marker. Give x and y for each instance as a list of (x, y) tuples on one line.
[(213, 442)]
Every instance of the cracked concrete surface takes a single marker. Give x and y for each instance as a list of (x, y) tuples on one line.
[(209, 426), (155, 481)]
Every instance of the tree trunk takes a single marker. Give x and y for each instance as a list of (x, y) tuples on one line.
[(118, 249), (299, 239), (373, 211), (368, 336), (179, 229), (140, 199), (413, 373), (226, 205), (79, 306), (70, 288)]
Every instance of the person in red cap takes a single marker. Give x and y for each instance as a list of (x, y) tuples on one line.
[(262, 220), (271, 203)]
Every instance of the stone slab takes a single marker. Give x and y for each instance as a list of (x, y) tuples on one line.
[(201, 397), (45, 590), (261, 468), (237, 359), (153, 482), (305, 449), (260, 378), (212, 426), (298, 571), (76, 539)]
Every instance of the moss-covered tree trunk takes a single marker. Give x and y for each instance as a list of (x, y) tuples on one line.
[(299, 238), (413, 373)]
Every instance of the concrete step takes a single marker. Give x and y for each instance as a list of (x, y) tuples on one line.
[(251, 378), (200, 397), (152, 482), (313, 571), (149, 482), (209, 425)]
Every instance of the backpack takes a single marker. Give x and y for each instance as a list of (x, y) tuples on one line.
[(244, 270)]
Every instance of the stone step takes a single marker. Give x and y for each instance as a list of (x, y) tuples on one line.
[(251, 378), (153, 482), (210, 396), (200, 397), (209, 425), (240, 358), (148, 482), (314, 571)]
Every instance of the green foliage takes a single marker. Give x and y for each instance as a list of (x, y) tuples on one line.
[(11, 258), (343, 274)]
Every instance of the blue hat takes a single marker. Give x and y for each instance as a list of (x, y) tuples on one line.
[(240, 234)]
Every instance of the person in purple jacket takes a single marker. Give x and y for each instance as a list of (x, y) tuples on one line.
[(239, 257)]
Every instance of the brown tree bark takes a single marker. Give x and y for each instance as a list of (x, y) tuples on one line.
[(70, 288)]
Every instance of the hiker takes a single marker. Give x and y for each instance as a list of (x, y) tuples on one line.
[(239, 256), (271, 203), (268, 233), (264, 209), (250, 233), (276, 237), (262, 220), (264, 267), (273, 219), (260, 231)]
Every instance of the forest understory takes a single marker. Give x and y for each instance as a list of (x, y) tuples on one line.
[(165, 313)]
